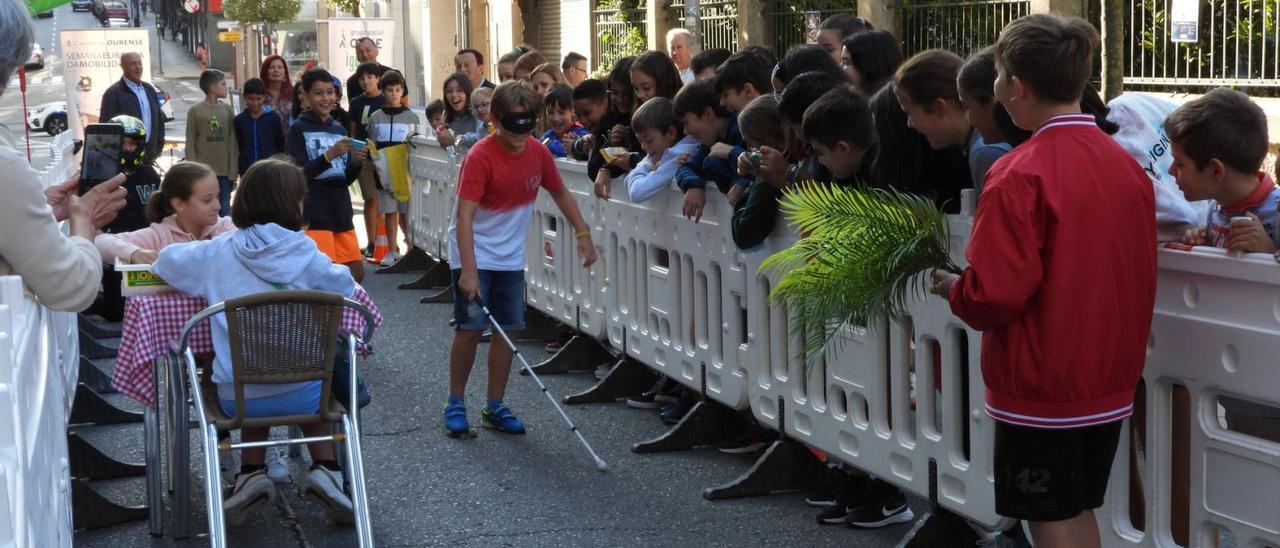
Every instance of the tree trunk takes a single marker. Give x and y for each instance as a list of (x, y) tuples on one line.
[(1112, 48)]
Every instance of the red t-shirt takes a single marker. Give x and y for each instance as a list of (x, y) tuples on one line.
[(505, 185)]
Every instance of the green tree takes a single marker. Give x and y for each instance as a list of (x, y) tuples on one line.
[(268, 12), (351, 6)]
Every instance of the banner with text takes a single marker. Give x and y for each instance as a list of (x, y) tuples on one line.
[(91, 63), (344, 33)]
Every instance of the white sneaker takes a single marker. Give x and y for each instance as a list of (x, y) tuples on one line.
[(277, 466), (229, 462), (326, 486), (249, 492), (390, 258)]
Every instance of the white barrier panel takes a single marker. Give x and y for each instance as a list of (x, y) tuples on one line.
[(902, 400), (433, 173), (37, 346)]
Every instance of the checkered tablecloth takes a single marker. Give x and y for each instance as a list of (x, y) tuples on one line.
[(153, 322)]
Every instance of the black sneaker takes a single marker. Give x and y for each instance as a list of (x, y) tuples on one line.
[(368, 251), (822, 499), (751, 440), (839, 512), (654, 397), (886, 506), (944, 528), (672, 414)]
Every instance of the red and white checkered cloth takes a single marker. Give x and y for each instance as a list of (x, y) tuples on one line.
[(153, 322)]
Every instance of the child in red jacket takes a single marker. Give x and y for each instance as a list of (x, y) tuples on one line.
[(1061, 282)]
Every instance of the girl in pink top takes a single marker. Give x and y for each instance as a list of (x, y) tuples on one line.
[(185, 209)]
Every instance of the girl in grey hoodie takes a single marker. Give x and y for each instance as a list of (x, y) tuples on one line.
[(268, 252)]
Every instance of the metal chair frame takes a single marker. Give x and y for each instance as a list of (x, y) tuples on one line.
[(349, 423)]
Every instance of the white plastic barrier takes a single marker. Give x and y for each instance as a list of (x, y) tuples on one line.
[(38, 364), (433, 176), (676, 295)]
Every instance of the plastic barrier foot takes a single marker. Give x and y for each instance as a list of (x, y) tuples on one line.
[(626, 378), (91, 510), (89, 462), (785, 466), (415, 260), (95, 378), (537, 327), (94, 350), (705, 425), (579, 354), (445, 296), (97, 330), (435, 277), (91, 408)]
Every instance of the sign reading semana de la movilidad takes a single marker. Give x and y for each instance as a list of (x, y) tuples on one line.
[(343, 34), (1184, 21), (91, 63)]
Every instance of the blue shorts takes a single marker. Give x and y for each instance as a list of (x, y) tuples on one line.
[(299, 401), (501, 290)]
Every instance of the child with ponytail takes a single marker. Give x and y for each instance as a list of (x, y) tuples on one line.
[(185, 209)]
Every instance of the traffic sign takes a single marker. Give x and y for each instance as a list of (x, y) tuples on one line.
[(228, 25), (229, 36)]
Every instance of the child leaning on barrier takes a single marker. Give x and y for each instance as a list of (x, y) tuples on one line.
[(1058, 381), (497, 186), (268, 252), (756, 213), (185, 209), (563, 131), (719, 145), (1219, 142), (663, 143)]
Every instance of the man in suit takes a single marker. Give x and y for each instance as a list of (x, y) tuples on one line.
[(136, 98)]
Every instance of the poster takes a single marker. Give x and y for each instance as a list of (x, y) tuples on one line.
[(91, 63), (1184, 21), (343, 33), (811, 21)]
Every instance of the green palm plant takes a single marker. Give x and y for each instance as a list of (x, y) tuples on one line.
[(859, 258)]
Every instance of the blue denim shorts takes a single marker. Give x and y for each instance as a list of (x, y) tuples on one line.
[(299, 401), (502, 291)]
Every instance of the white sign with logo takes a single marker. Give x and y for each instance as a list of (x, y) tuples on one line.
[(345, 33), (1184, 21), (91, 64)]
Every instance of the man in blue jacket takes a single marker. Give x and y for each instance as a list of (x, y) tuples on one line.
[(135, 98)]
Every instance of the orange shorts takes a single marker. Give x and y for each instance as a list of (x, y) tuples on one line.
[(340, 247)]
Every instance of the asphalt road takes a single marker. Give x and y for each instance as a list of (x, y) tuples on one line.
[(497, 490)]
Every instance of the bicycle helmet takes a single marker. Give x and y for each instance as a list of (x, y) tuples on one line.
[(136, 130)]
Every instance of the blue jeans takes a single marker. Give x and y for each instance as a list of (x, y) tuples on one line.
[(501, 291), (300, 401), (224, 196)]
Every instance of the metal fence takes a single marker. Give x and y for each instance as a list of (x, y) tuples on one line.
[(962, 27), (619, 32), (786, 19), (1238, 46), (718, 22)]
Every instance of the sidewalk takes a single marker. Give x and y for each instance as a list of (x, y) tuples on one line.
[(172, 61)]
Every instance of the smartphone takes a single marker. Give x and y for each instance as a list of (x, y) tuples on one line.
[(357, 144), (100, 157)]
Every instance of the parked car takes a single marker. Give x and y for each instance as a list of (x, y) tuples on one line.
[(106, 10), (45, 14), (36, 62), (82, 5), (49, 117)]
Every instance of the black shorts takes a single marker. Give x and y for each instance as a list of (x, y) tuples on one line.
[(1052, 475)]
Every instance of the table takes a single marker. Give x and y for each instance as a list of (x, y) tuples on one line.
[(148, 344)]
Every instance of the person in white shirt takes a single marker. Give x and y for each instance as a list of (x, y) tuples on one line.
[(680, 48)]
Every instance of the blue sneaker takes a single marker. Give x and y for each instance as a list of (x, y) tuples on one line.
[(501, 419), (455, 419)]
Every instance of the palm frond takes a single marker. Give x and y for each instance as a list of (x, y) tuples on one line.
[(860, 258)]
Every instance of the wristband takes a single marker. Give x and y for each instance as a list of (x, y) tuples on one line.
[(586, 233)]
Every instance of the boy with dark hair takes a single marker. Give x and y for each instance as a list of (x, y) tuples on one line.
[(364, 102), (705, 62), (319, 143), (258, 129), (209, 140), (719, 145), (1219, 142), (741, 78), (840, 129), (497, 186), (661, 140), (591, 106), (563, 130), (435, 114), (1059, 381), (391, 125)]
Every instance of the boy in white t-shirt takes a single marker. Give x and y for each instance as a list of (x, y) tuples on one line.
[(500, 179)]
